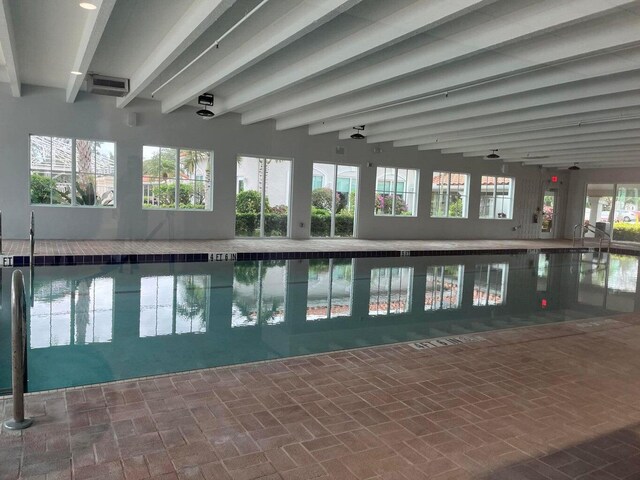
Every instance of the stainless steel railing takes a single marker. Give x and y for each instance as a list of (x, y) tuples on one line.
[(18, 353), (599, 235), (32, 240)]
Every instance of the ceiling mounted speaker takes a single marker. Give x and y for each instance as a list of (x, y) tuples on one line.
[(205, 99), (493, 155), (358, 135)]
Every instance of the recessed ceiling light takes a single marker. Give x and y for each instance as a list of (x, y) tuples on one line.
[(75, 72), (88, 6)]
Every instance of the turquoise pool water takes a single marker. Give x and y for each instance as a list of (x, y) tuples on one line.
[(99, 323)]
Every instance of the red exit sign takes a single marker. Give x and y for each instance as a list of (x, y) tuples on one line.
[(554, 179)]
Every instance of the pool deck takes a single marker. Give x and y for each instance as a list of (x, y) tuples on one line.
[(556, 401), (268, 245)]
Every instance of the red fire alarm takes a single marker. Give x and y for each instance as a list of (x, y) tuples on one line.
[(554, 179)]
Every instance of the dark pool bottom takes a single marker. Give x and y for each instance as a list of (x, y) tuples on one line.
[(92, 324)]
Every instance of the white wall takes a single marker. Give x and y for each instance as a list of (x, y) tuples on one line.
[(43, 111)]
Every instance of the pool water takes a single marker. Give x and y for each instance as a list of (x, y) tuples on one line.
[(91, 324)]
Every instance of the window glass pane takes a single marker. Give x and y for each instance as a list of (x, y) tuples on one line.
[(443, 287), (159, 177), (390, 290), (277, 178), (496, 197), (195, 180), (396, 191), (490, 284), (449, 195), (50, 165)]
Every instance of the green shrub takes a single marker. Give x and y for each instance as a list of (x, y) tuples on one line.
[(384, 203), (275, 225), (344, 225), (247, 224), (41, 188), (322, 198), (626, 232), (249, 202), (320, 224)]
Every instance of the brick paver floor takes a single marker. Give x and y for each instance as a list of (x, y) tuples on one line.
[(548, 402)]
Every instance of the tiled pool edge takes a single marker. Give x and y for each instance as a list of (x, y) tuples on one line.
[(471, 345), (132, 259)]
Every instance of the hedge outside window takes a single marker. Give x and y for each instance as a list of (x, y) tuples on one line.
[(66, 171), (396, 191), (176, 178), (450, 195), (496, 197)]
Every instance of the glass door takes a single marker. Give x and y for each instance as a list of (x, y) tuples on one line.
[(548, 213), (333, 200), (263, 187)]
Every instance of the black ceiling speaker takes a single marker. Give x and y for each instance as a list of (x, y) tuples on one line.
[(205, 99), (358, 135), (574, 167), (493, 155)]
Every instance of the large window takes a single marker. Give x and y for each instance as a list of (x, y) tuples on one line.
[(490, 284), (333, 204), (396, 191), (496, 197), (391, 290), (176, 178), (174, 305), (443, 287), (71, 312), (449, 195), (66, 171)]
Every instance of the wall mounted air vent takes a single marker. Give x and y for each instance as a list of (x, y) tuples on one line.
[(102, 85)]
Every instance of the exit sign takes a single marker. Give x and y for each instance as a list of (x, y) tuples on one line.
[(554, 179)]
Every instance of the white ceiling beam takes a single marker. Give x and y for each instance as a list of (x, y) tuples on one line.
[(581, 69), (413, 19), (8, 45), (605, 127), (453, 131), (628, 163), (535, 100), (198, 18), (587, 138), (93, 28), (548, 112), (586, 161), (536, 19), (557, 149), (299, 21), (574, 154)]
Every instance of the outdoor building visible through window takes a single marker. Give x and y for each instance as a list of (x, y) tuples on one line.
[(496, 197), (449, 195), (396, 191)]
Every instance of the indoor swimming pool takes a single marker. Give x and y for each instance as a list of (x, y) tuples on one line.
[(91, 324)]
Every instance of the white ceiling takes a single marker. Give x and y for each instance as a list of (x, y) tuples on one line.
[(544, 82)]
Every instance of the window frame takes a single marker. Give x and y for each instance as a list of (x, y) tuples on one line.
[(512, 191), (465, 205), (394, 192), (176, 207), (73, 173)]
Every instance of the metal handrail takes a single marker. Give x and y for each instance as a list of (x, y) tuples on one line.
[(18, 353), (32, 240), (0, 232), (596, 231)]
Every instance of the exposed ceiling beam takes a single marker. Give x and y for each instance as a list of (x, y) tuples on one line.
[(581, 69), (415, 18), (454, 131), (622, 164), (535, 19), (555, 133), (198, 18), (573, 155), (93, 28), (8, 45), (559, 149), (548, 112), (299, 21), (587, 138), (538, 99), (586, 160)]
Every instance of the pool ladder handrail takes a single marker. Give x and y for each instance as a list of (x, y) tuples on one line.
[(18, 353), (599, 234)]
